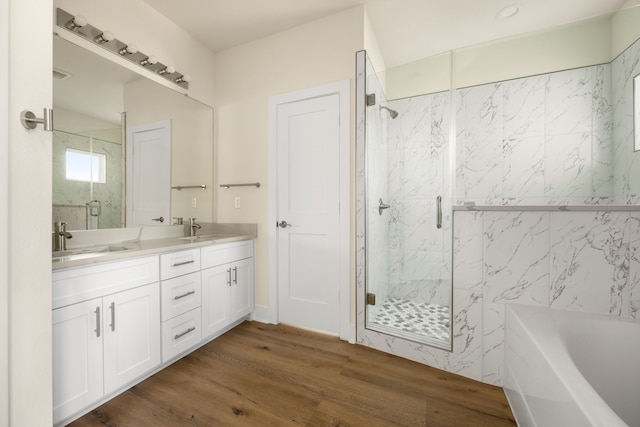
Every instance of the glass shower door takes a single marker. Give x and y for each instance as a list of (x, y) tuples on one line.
[(408, 252)]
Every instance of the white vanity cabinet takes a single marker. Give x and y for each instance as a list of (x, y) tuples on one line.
[(105, 337), (181, 300), (227, 285), (116, 322)]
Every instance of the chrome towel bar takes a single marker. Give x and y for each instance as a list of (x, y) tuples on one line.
[(253, 184), (180, 187)]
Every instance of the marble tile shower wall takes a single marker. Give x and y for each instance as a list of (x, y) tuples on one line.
[(66, 192), (511, 137), (538, 140), (418, 156), (578, 261)]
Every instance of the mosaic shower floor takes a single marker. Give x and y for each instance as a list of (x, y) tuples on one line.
[(430, 320)]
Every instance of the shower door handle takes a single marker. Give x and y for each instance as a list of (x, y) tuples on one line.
[(439, 212), (382, 206)]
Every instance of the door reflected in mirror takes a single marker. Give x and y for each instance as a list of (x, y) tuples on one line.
[(96, 103)]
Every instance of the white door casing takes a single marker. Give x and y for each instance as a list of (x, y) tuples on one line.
[(25, 328), (309, 188), (4, 217), (149, 174)]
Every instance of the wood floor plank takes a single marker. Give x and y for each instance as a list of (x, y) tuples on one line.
[(321, 375), (262, 375)]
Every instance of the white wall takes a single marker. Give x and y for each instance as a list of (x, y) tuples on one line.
[(624, 30), (570, 46), (428, 75), (373, 50), (246, 76), (75, 122)]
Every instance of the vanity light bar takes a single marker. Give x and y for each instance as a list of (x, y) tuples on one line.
[(106, 40)]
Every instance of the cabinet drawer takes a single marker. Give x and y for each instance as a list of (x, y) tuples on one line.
[(179, 263), (74, 285), (225, 253), (181, 333), (180, 294)]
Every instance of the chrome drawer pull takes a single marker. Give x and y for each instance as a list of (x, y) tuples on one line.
[(191, 329), (178, 264), (235, 275), (184, 295), (228, 277)]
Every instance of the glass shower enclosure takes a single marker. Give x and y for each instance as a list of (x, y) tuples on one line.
[(408, 160)]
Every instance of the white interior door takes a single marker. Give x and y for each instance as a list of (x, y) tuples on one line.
[(308, 197), (149, 174)]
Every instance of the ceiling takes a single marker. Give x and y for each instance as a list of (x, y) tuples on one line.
[(406, 30)]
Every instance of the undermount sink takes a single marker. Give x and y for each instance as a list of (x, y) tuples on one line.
[(89, 252), (205, 237)]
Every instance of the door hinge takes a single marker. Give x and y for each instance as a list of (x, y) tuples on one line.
[(371, 299), (370, 99)]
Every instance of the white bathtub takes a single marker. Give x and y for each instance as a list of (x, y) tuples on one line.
[(571, 369)]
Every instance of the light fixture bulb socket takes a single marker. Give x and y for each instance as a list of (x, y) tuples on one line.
[(169, 69), (78, 21), (150, 60), (183, 79), (105, 37), (128, 50)]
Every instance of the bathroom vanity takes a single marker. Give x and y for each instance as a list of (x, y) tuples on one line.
[(126, 313)]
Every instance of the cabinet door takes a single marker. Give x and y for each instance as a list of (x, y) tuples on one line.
[(242, 289), (131, 335), (77, 357), (216, 283)]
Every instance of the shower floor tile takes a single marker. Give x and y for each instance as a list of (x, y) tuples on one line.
[(431, 320)]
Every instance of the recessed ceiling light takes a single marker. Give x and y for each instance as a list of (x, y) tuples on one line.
[(508, 12)]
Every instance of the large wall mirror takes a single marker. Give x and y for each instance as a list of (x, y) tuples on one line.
[(127, 151)]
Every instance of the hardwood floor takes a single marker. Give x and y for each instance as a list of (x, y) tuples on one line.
[(267, 375)]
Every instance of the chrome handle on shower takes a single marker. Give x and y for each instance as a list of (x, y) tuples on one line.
[(439, 212), (382, 206)]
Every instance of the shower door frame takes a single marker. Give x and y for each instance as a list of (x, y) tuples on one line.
[(376, 338)]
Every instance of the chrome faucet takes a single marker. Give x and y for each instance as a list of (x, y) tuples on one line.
[(60, 236), (193, 227)]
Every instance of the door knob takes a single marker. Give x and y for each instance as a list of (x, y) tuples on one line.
[(283, 224), (161, 219)]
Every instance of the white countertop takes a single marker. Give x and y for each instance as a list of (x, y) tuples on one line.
[(106, 252)]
